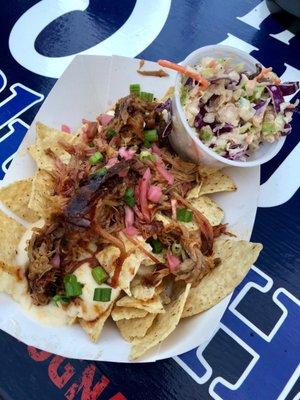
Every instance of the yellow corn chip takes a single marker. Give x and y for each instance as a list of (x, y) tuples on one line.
[(119, 313), (153, 305), (163, 325), (136, 327), (10, 233), (48, 138), (42, 199), (212, 183), (16, 198), (94, 328), (209, 209), (236, 259)]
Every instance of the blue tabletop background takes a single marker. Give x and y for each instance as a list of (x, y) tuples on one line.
[(255, 353)]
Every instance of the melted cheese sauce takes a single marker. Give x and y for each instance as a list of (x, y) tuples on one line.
[(84, 306)]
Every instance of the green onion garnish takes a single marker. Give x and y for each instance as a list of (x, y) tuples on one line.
[(101, 171), (99, 274), (73, 288), (146, 96), (156, 245), (146, 155), (102, 294), (184, 215), (135, 88), (96, 158), (60, 299), (110, 133), (176, 249), (151, 136), (147, 144), (129, 197), (91, 144)]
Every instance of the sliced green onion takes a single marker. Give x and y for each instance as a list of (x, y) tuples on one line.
[(91, 144), (135, 88), (184, 215), (110, 133), (73, 288), (146, 96), (156, 245), (70, 278), (176, 249), (99, 274), (101, 171), (146, 155), (151, 136), (147, 144), (60, 299), (129, 197), (102, 294), (96, 158)]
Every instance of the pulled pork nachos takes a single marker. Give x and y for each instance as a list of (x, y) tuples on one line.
[(119, 226)]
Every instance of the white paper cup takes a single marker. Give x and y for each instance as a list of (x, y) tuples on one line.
[(184, 139)]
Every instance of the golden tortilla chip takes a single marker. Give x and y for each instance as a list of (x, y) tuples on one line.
[(10, 233), (163, 325), (94, 328), (16, 198), (205, 170), (153, 305), (119, 313), (42, 199), (209, 209), (48, 138), (212, 183), (206, 206), (236, 259), (136, 327), (139, 287)]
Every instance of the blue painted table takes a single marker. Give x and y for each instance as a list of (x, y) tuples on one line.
[(255, 354)]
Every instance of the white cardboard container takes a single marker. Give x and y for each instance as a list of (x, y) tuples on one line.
[(88, 87)]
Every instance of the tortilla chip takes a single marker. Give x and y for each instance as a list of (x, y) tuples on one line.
[(16, 198), (209, 209), (236, 259), (136, 327), (205, 170), (42, 199), (212, 183), (153, 305), (119, 313), (48, 138), (206, 206), (138, 287), (94, 328), (163, 325), (10, 233)]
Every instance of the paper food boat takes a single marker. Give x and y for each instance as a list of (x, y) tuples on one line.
[(89, 86)]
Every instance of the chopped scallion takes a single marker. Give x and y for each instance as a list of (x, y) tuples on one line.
[(110, 134), (99, 274), (135, 88), (101, 171), (102, 294), (176, 249), (73, 288), (129, 197), (60, 299), (146, 155), (151, 135), (146, 96), (184, 215), (156, 245), (96, 158)]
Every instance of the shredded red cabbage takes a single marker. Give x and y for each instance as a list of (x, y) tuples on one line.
[(222, 128), (288, 88), (286, 130), (276, 97)]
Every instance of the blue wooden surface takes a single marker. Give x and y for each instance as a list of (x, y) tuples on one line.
[(29, 374)]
